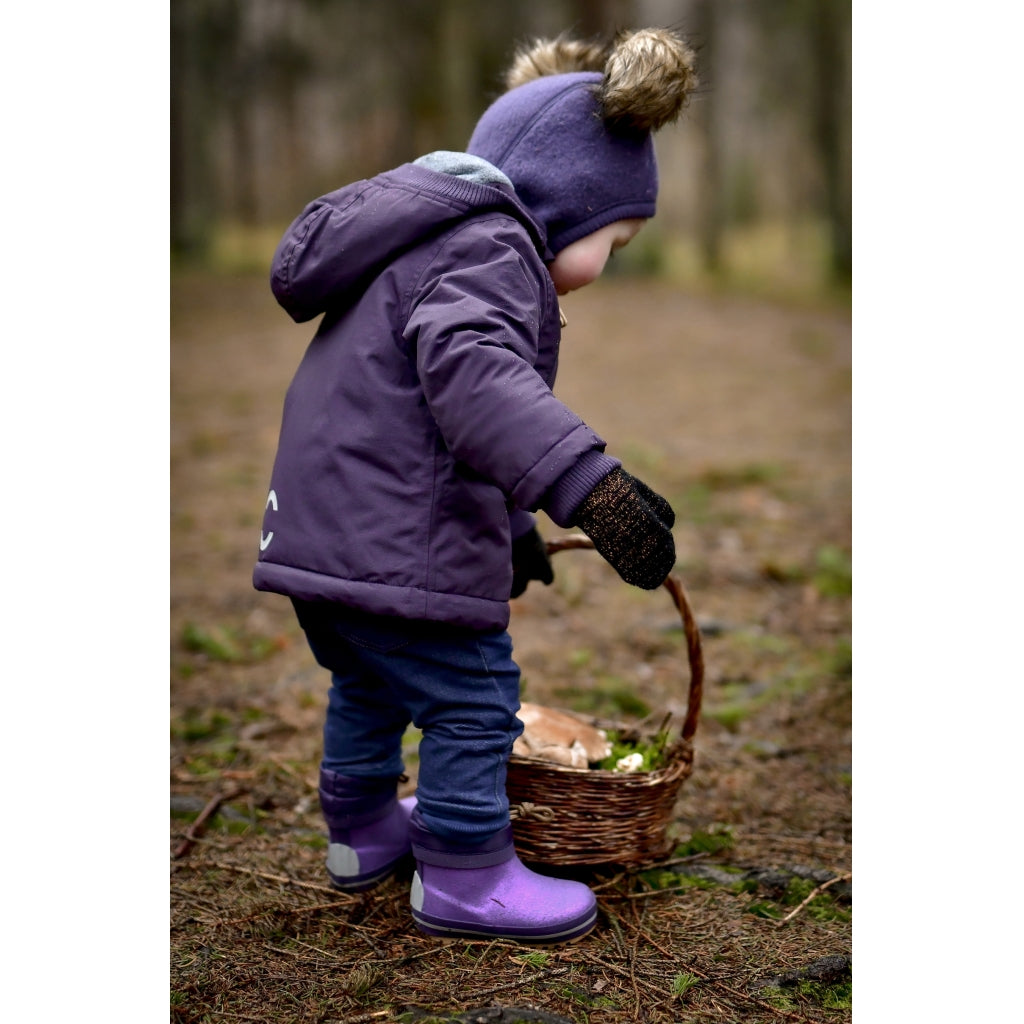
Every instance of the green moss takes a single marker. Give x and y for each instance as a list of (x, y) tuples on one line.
[(227, 644), (213, 760), (745, 475), (839, 661), (719, 838), (728, 716), (235, 827), (662, 879), (217, 642), (580, 657), (834, 572), (798, 890), (762, 908), (764, 643), (827, 997), (822, 908), (200, 724), (744, 885), (685, 881), (651, 751)]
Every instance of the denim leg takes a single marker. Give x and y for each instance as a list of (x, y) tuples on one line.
[(364, 724), (363, 727), (460, 687), (463, 692)]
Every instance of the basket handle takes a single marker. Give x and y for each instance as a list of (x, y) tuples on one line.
[(694, 651)]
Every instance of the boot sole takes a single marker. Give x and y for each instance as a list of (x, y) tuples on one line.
[(360, 883), (565, 936)]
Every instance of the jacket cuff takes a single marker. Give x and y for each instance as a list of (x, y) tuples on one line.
[(566, 494)]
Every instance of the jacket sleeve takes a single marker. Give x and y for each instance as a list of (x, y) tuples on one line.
[(474, 322)]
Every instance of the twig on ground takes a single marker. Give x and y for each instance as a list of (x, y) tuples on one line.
[(363, 1017), (810, 896), (283, 880), (236, 1016), (198, 827), (288, 770), (623, 973), (647, 893), (550, 972), (633, 954), (310, 908), (684, 860), (315, 949), (405, 958), (609, 883)]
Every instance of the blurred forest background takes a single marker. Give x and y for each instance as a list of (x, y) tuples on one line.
[(275, 102)]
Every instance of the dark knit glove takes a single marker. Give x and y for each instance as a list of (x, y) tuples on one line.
[(631, 527), (530, 561), (661, 508)]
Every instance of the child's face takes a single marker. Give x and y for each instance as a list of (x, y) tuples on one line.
[(582, 261)]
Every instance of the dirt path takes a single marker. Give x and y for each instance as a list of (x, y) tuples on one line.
[(739, 412)]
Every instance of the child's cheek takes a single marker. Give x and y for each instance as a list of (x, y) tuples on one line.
[(575, 268)]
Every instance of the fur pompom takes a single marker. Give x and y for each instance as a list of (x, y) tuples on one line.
[(554, 57), (648, 74), (648, 79)]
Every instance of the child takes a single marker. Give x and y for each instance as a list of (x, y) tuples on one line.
[(419, 434)]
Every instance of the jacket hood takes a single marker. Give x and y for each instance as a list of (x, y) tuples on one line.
[(342, 240), (572, 171)]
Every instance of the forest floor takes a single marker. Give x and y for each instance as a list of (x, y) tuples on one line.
[(738, 411)]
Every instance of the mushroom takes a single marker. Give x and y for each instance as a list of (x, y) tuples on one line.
[(559, 737)]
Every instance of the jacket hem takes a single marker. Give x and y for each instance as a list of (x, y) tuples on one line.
[(382, 598)]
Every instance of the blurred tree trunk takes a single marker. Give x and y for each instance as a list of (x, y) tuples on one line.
[(806, 47), (711, 195), (245, 200), (191, 200), (830, 37), (456, 49)]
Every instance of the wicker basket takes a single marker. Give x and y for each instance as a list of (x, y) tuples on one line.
[(579, 816)]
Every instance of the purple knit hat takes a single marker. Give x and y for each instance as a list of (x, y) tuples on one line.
[(574, 131), (569, 168)]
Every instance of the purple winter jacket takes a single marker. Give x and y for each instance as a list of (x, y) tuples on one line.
[(421, 416)]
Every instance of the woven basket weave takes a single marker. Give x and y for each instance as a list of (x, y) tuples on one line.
[(563, 816)]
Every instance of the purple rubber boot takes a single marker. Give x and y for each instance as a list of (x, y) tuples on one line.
[(485, 890), (368, 829)]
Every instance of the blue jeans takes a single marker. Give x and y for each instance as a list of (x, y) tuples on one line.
[(458, 686)]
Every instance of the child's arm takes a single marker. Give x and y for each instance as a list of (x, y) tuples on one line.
[(473, 326), (475, 332)]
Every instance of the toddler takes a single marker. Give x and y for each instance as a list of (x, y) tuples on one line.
[(419, 435)]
